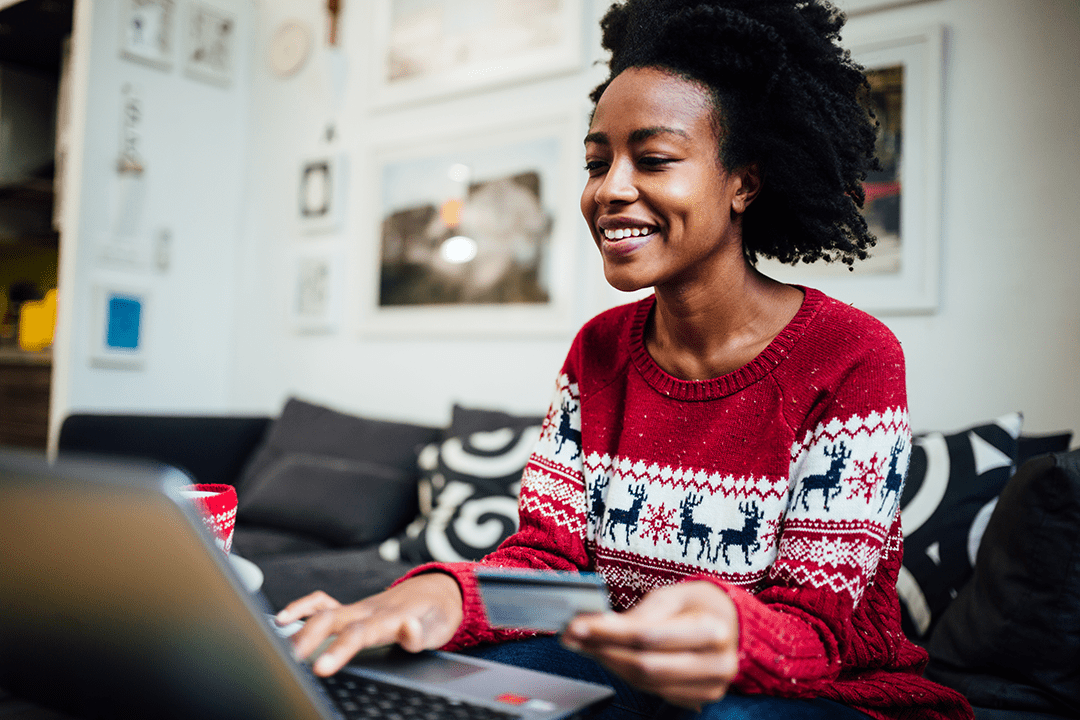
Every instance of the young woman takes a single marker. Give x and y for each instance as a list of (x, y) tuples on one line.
[(729, 452)]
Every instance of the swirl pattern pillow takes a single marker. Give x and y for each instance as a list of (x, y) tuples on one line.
[(952, 487), (468, 488)]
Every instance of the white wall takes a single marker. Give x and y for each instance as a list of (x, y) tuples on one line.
[(192, 139), (1005, 336), (415, 377)]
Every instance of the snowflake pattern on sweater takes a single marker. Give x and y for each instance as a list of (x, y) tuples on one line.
[(779, 482)]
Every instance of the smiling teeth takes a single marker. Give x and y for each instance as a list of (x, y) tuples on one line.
[(624, 233)]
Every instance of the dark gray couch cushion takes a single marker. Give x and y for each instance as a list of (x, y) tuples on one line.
[(328, 475), (347, 502), (1011, 639)]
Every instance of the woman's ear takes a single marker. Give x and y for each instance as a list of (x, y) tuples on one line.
[(749, 179)]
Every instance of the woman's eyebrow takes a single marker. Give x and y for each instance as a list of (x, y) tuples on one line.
[(601, 138), (646, 133)]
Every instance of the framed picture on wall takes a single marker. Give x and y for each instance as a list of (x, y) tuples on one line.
[(430, 48), (903, 200), (320, 193), (148, 31), (209, 44), (118, 333), (473, 234), (855, 8), (315, 302)]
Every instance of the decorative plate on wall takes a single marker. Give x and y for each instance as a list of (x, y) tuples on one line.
[(289, 48)]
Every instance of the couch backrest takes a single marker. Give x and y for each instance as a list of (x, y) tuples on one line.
[(212, 449)]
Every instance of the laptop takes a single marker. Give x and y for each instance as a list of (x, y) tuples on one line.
[(116, 602)]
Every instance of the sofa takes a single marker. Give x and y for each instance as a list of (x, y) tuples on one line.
[(335, 502), (346, 504)]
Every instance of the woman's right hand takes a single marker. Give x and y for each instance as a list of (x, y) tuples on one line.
[(420, 613)]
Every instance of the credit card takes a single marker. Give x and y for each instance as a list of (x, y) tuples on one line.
[(539, 599)]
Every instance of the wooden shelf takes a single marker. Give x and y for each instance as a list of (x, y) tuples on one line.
[(24, 396)]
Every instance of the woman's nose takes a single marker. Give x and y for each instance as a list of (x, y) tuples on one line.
[(618, 186)]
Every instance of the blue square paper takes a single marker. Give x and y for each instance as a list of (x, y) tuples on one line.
[(122, 323)]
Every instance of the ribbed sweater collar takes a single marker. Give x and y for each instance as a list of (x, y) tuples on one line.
[(732, 382)]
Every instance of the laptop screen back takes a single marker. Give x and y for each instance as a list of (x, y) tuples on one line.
[(109, 601)]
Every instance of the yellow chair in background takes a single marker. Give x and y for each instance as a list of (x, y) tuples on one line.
[(37, 322)]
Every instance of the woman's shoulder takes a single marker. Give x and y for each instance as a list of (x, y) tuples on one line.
[(847, 364), (837, 324)]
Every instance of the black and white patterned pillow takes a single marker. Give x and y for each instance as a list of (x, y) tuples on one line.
[(952, 488), (468, 488)]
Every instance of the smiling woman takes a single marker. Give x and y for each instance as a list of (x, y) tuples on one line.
[(721, 452), (659, 204)]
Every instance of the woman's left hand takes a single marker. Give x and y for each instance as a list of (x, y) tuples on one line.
[(680, 642)]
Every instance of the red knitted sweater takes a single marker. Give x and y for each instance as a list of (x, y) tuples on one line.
[(780, 482)]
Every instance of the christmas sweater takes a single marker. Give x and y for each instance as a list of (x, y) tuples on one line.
[(780, 482)]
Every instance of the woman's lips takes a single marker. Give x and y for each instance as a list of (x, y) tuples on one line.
[(620, 242)]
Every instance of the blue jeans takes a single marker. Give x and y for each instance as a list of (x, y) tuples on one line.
[(545, 653)]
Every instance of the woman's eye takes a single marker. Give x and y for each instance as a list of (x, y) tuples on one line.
[(592, 166), (651, 161)]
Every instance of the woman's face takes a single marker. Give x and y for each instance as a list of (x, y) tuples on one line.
[(659, 204)]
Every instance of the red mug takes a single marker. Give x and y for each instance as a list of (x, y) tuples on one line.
[(217, 507)]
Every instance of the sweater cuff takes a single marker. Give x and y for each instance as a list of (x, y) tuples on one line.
[(774, 657), (474, 622)]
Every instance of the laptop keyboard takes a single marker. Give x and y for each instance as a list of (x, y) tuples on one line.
[(358, 697)]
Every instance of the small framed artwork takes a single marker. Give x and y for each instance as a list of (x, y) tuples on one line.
[(147, 31), (474, 234), (210, 44), (118, 336), (321, 194), (445, 47), (315, 302), (903, 199)]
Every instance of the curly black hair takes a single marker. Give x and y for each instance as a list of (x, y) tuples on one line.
[(786, 97)]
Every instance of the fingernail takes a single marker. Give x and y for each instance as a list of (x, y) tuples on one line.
[(324, 664)]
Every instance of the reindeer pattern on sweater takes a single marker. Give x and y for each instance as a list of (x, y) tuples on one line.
[(821, 519)]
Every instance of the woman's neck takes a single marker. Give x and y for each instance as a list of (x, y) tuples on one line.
[(700, 332)]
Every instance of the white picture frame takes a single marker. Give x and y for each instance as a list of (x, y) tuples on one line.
[(855, 8), (321, 193), (118, 336), (148, 32), (440, 48), (910, 285), (315, 302), (210, 43), (518, 199)]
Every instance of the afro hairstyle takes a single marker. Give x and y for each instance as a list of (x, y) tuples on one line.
[(787, 97)]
